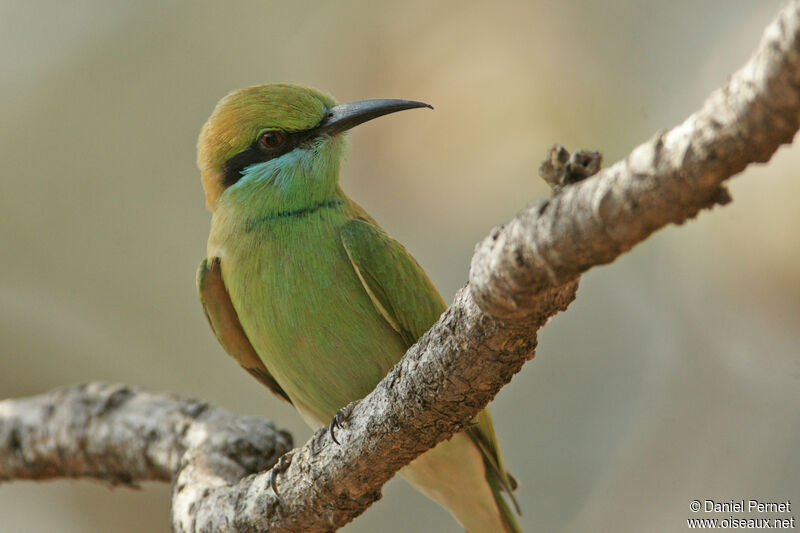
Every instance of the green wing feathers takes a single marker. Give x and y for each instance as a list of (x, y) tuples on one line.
[(226, 326), (408, 300), (397, 285)]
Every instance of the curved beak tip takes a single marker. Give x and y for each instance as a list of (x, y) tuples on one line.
[(345, 116)]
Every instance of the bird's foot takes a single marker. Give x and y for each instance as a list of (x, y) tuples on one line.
[(337, 422), (283, 463)]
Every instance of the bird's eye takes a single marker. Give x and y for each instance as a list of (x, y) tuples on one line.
[(272, 139)]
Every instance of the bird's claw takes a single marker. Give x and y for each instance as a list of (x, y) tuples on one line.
[(283, 462), (336, 423)]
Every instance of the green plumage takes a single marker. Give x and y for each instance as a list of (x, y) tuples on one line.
[(306, 291)]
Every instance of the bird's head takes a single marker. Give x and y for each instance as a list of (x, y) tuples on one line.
[(281, 141)]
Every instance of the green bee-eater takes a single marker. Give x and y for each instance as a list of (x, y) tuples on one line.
[(305, 290)]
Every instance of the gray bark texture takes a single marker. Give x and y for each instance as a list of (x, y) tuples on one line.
[(521, 274)]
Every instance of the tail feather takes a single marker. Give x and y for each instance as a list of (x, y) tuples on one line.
[(483, 435), (455, 474), (505, 511), (497, 475)]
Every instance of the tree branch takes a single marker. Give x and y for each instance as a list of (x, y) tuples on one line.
[(521, 275), (125, 436)]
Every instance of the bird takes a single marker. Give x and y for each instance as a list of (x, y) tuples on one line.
[(310, 295)]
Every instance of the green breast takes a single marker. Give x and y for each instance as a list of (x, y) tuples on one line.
[(306, 312)]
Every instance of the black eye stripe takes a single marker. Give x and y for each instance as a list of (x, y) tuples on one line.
[(233, 167)]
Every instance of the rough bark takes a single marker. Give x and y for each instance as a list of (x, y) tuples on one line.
[(521, 275), (122, 435)]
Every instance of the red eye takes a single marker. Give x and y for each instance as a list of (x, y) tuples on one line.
[(272, 139)]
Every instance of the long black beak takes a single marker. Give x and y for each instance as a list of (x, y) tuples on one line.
[(343, 117)]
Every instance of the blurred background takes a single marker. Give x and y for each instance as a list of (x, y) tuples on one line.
[(674, 375)]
